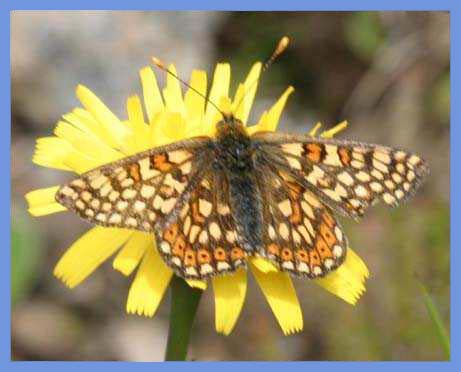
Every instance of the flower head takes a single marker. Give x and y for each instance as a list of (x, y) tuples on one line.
[(91, 136)]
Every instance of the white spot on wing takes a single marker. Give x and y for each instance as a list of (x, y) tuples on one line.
[(165, 247), (205, 207), (346, 178)]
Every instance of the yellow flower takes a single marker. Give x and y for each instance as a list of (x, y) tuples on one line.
[(92, 136)]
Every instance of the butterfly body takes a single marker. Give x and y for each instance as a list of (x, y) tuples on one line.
[(213, 203), (235, 160)]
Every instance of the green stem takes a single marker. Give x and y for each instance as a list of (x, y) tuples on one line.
[(184, 304)]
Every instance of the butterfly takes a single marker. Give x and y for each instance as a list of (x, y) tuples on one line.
[(213, 203)]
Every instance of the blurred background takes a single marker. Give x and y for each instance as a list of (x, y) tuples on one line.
[(387, 73)]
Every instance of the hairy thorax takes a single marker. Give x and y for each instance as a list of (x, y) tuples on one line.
[(233, 147)]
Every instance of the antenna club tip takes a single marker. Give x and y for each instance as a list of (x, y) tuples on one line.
[(283, 44), (285, 40), (158, 62)]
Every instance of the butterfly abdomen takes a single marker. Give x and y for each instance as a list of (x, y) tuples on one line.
[(246, 205)]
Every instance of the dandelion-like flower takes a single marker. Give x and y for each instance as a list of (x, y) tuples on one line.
[(92, 136)]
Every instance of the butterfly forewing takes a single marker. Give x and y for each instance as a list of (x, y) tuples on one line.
[(171, 192), (347, 176), (140, 192)]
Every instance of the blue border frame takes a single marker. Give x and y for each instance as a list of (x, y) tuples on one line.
[(453, 6)]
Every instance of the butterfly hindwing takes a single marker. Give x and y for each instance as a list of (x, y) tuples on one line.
[(348, 176), (139, 192), (203, 241), (301, 236)]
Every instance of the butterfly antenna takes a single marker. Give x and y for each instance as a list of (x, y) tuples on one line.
[(162, 67), (279, 49)]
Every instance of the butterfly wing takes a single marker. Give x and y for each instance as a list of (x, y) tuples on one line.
[(141, 192), (203, 241), (347, 176), (172, 192), (301, 235)]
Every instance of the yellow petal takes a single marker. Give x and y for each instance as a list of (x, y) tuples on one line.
[(315, 129), (83, 120), (335, 130), (42, 201), (347, 282), (135, 113), (139, 140), (263, 265), (80, 163), (261, 126), (88, 252), (130, 255), (270, 120), (196, 129), (229, 295), (170, 127), (113, 127), (219, 88), (51, 152), (44, 210), (152, 97), (199, 284), (85, 143), (158, 127), (281, 296), (151, 281), (79, 150), (195, 104), (247, 91), (225, 104), (172, 93), (274, 113)]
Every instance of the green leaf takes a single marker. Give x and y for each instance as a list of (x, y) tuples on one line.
[(436, 320), (25, 258)]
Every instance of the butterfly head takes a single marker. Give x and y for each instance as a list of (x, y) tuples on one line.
[(230, 126)]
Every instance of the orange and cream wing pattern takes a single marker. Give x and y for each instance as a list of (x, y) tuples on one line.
[(138, 192), (301, 236), (348, 176), (203, 241)]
